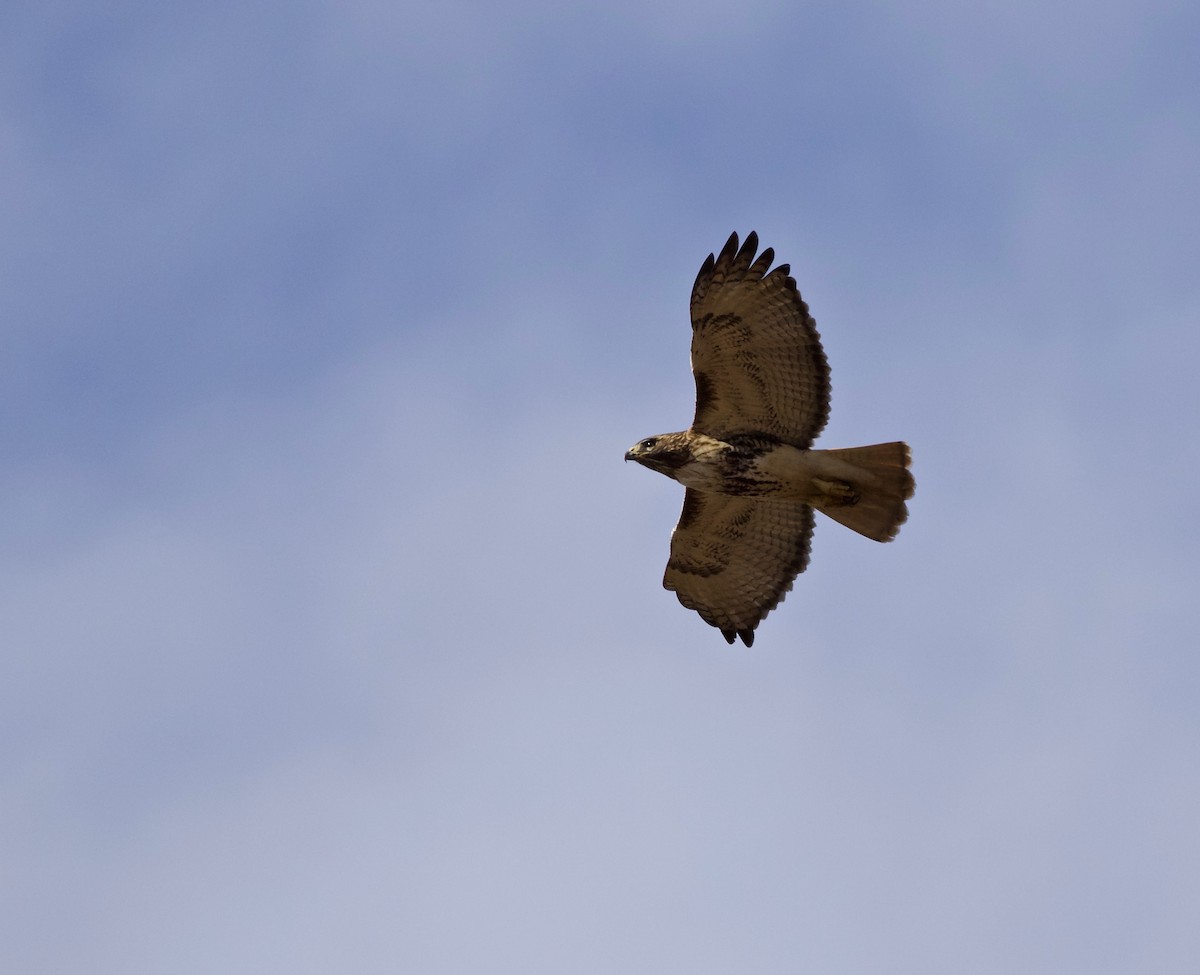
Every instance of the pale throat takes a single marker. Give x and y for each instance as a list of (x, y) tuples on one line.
[(706, 470)]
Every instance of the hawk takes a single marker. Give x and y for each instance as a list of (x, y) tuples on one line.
[(752, 477)]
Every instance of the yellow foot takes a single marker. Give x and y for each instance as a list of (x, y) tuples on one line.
[(836, 493)]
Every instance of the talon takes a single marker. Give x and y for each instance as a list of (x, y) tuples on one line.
[(839, 493)]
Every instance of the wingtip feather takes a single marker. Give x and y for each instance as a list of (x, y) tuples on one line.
[(731, 636), (729, 251)]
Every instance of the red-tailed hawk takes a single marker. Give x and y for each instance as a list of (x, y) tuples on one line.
[(752, 479)]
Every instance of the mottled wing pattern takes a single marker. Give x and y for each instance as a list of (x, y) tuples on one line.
[(732, 559), (756, 353)]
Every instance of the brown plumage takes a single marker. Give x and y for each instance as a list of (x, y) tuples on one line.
[(752, 479)]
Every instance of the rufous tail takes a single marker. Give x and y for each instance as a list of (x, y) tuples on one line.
[(881, 485)]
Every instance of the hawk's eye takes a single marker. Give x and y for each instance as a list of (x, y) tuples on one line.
[(649, 442)]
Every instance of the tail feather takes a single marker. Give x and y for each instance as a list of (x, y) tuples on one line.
[(882, 483)]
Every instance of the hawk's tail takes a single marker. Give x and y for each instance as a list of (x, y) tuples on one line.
[(881, 483)]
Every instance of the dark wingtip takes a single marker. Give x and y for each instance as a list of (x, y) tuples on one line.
[(729, 251), (731, 636)]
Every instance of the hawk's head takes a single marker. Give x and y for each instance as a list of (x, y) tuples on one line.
[(665, 453)]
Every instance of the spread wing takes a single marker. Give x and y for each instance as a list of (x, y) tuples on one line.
[(756, 353), (733, 559)]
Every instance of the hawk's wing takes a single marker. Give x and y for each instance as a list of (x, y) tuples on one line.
[(756, 353), (732, 558)]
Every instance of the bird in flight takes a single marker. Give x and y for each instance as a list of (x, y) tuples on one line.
[(747, 462)]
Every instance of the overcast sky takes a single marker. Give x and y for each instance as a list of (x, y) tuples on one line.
[(334, 636)]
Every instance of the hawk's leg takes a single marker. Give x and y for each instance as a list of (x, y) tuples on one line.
[(835, 494)]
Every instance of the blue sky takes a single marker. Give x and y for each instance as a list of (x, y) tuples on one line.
[(334, 630)]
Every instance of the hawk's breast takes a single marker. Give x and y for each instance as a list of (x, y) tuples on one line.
[(723, 468)]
